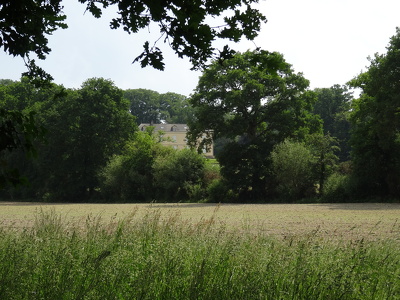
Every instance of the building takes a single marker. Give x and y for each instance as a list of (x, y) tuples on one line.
[(174, 135)]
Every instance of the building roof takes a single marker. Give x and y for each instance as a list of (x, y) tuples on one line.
[(165, 127)]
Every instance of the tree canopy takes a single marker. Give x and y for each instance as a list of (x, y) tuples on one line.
[(256, 101), (26, 24), (376, 124), (84, 129), (152, 107), (333, 105)]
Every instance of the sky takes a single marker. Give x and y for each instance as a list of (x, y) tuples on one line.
[(329, 41)]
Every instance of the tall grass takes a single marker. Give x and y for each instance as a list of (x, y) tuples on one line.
[(159, 257)]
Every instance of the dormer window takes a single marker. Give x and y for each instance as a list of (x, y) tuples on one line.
[(174, 128)]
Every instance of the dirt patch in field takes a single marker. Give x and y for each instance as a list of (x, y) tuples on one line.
[(336, 221)]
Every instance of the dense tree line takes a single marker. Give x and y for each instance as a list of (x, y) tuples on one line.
[(184, 26), (90, 149), (279, 140), (83, 128), (152, 107), (276, 138)]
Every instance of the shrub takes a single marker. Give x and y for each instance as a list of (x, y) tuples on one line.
[(337, 188), (292, 164), (219, 192), (175, 173), (129, 177)]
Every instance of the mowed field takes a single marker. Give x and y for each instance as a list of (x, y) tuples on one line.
[(369, 221)]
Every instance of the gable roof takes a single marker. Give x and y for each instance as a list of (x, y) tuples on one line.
[(165, 127)]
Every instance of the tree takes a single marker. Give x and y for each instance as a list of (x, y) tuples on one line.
[(87, 128), (183, 25), (256, 101), (333, 106), (144, 105), (376, 124), (323, 149), (84, 129), (24, 27), (176, 108), (19, 129), (152, 107)]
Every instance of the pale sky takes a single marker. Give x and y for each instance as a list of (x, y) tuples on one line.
[(327, 40)]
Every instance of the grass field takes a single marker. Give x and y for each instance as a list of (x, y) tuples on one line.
[(343, 221), (199, 251)]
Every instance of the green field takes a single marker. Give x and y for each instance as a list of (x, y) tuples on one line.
[(342, 221), (199, 251)]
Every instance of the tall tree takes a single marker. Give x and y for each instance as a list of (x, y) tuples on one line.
[(376, 124), (256, 101), (333, 106), (176, 108), (26, 24), (144, 105), (86, 129), (19, 129)]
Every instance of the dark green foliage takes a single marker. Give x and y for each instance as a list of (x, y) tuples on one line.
[(324, 149), (184, 26), (84, 128), (254, 101), (179, 176), (148, 171), (24, 27), (129, 177), (144, 105), (176, 108), (218, 192), (338, 188), (18, 131), (152, 107), (333, 106), (376, 124), (26, 24), (292, 163)]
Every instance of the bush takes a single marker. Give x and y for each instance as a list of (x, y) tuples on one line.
[(129, 177), (219, 192), (292, 164), (176, 173), (337, 188)]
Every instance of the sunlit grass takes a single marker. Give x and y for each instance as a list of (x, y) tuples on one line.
[(154, 255), (370, 221)]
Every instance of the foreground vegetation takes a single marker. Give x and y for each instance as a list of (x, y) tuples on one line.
[(159, 256)]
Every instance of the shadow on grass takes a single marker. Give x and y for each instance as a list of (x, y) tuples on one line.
[(359, 206)]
